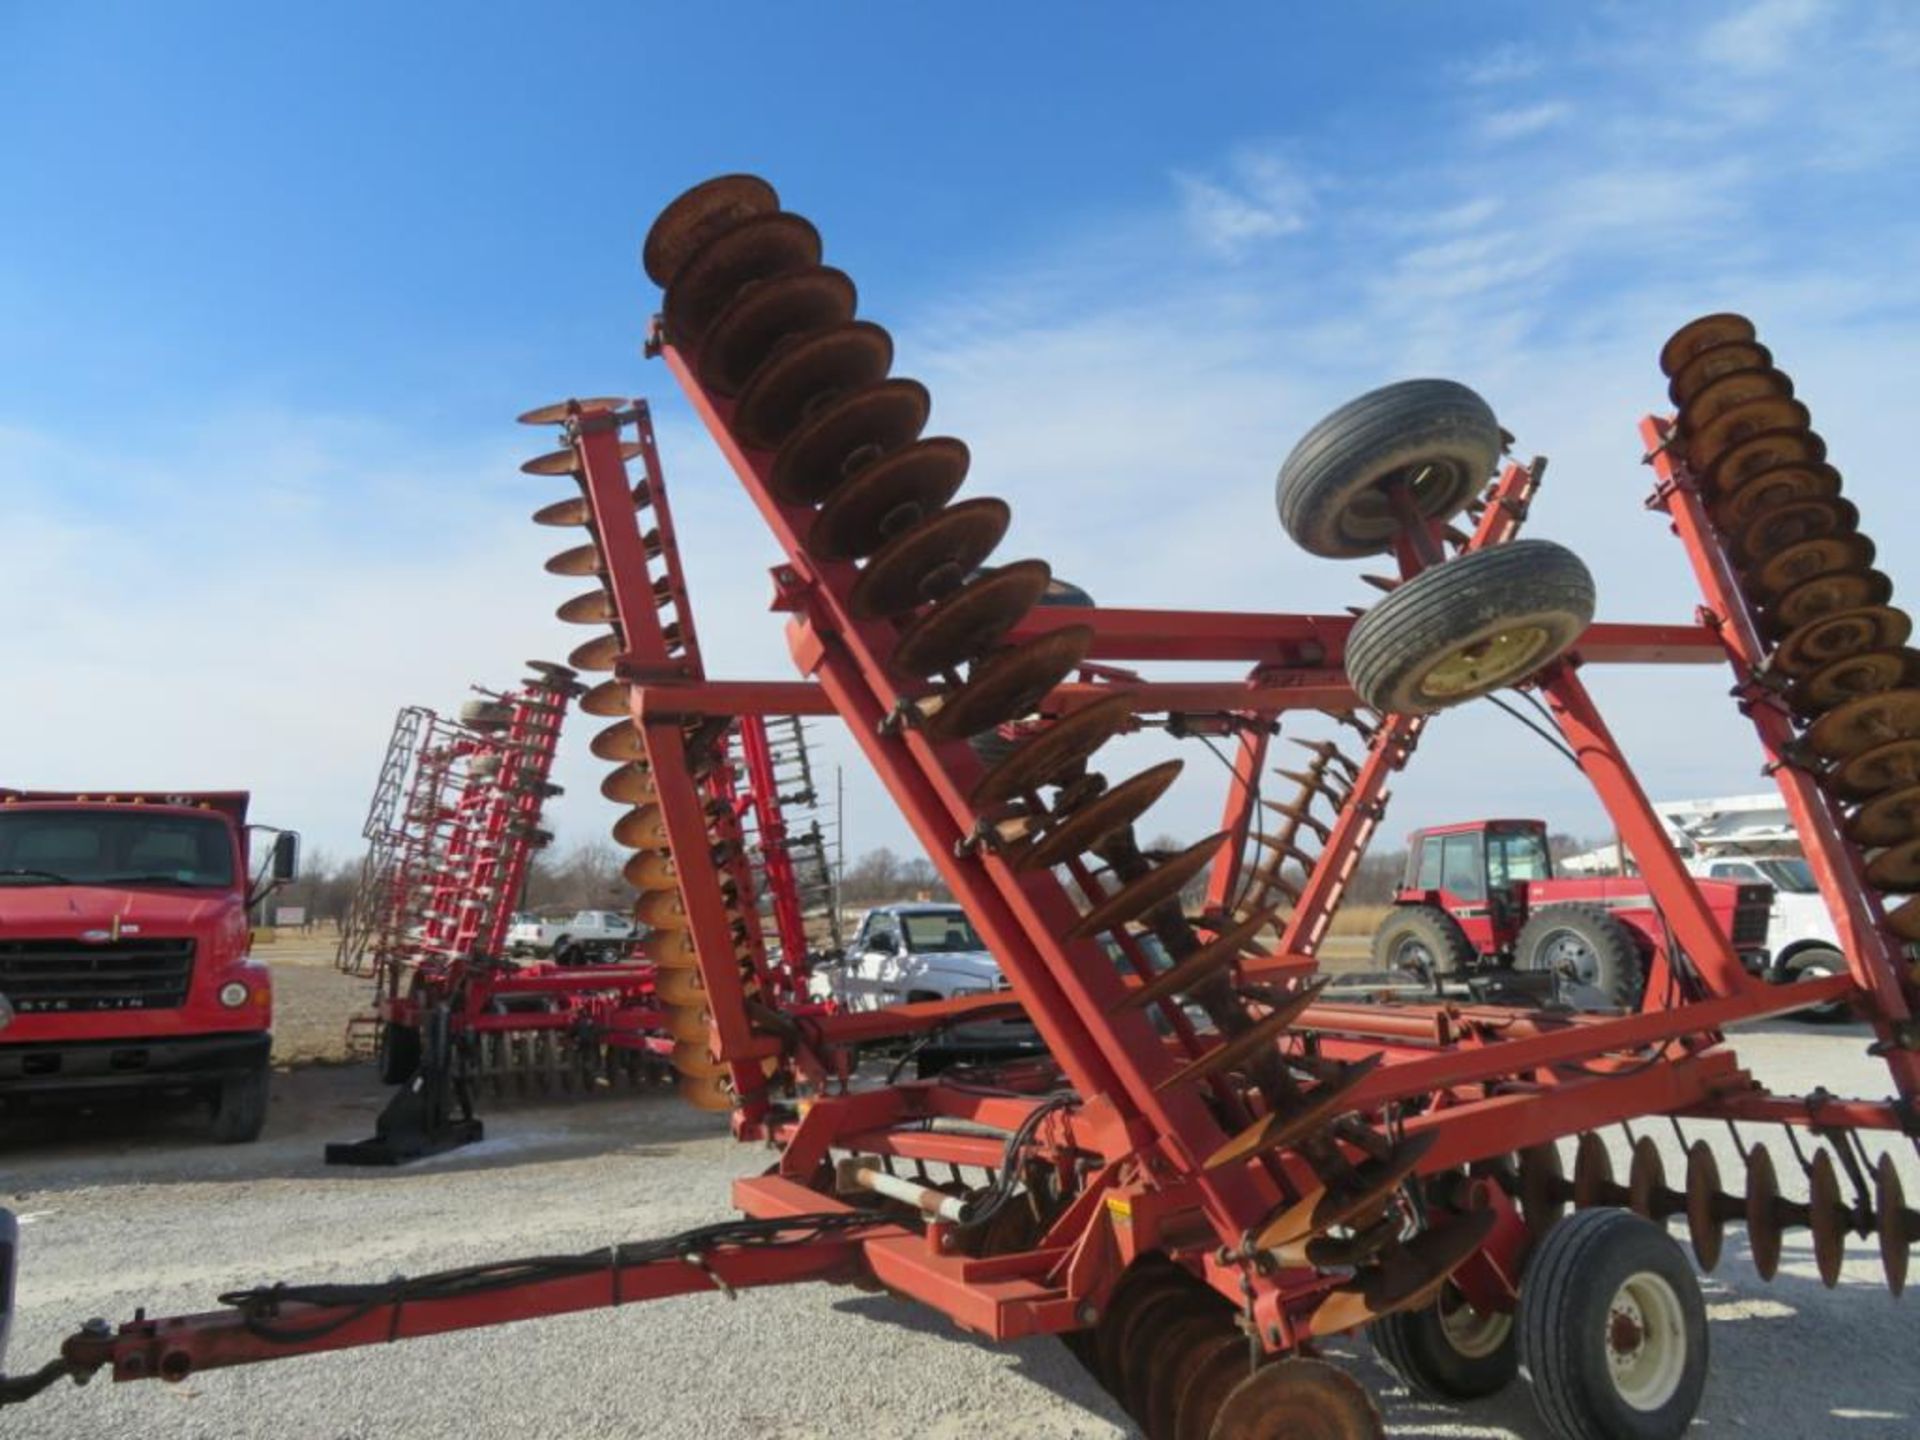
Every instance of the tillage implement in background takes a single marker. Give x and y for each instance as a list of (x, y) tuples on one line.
[(1218, 1165)]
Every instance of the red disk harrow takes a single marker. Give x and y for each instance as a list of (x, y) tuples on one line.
[(1217, 1166)]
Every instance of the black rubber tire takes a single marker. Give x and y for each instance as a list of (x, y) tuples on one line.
[(1415, 1345), (1528, 584), (240, 1107), (1566, 1296), (1328, 491), (1429, 927), (1820, 962), (396, 1051), (562, 951), (1619, 970)]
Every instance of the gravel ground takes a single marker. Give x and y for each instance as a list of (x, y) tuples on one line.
[(146, 1213)]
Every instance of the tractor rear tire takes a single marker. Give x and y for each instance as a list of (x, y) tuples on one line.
[(1437, 434), (1447, 1350), (1469, 626), (1423, 939), (1613, 1332), (1608, 972)]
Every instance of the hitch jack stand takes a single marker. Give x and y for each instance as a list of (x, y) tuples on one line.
[(419, 1120)]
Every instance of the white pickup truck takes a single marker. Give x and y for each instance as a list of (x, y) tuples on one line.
[(582, 938)]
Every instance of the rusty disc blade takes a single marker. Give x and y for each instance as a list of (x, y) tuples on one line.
[(1862, 724), (1592, 1172), (1348, 1199), (618, 742), (679, 986), (1054, 754), (566, 462), (710, 1093), (577, 511), (651, 869), (609, 697), (1696, 336), (581, 560), (1407, 1277), (761, 248), (847, 436), (888, 497), (1141, 1289), (1257, 1039), (1825, 595), (1299, 1399), (662, 910), (1809, 559), (1832, 637), (598, 653), (971, 621), (1763, 1212), (1789, 524), (1277, 1129), (1216, 1367), (1729, 391), (1158, 886), (1193, 970), (696, 216), (593, 608), (1904, 919), (1896, 870), (1169, 1362), (1894, 1223), (631, 784), (929, 560), (1770, 416), (1710, 364), (1083, 827), (1762, 453), (1543, 1188), (1870, 673), (1827, 1218), (642, 828), (1008, 684), (807, 377), (558, 412), (1770, 489), (766, 314), (693, 1058), (1891, 766), (1706, 1227), (671, 949), (1646, 1179)]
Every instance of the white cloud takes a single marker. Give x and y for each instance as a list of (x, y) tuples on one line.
[(1261, 197), (1524, 120), (1762, 37), (1503, 65)]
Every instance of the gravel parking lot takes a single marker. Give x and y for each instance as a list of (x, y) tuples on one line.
[(145, 1212)]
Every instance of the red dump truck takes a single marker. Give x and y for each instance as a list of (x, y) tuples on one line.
[(125, 951)]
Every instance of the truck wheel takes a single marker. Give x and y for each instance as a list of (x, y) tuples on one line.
[(1448, 1350), (1469, 626), (1816, 964), (1592, 954), (564, 951), (1422, 940), (240, 1107), (396, 1051), (1436, 434), (1613, 1332)]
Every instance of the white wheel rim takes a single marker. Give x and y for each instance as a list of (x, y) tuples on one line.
[(1470, 1333), (1646, 1341)]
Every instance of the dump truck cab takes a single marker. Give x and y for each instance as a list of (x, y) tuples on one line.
[(125, 951)]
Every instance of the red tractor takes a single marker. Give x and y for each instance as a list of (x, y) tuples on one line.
[(1481, 896)]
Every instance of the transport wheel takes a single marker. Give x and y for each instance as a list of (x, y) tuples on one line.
[(1592, 954), (1421, 940), (1817, 965), (1437, 436), (1613, 1332), (1469, 626), (1448, 1350), (396, 1051), (240, 1106)]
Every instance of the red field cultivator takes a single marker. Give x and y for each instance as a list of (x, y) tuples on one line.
[(1218, 1166)]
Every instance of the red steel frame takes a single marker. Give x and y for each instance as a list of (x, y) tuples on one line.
[(1491, 1079)]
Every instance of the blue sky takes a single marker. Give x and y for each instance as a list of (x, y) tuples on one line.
[(273, 282)]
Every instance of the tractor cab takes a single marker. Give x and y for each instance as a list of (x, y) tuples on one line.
[(1478, 872)]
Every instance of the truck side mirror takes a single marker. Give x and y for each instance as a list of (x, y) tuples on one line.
[(286, 857)]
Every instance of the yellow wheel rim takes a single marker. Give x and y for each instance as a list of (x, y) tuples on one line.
[(1486, 663)]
